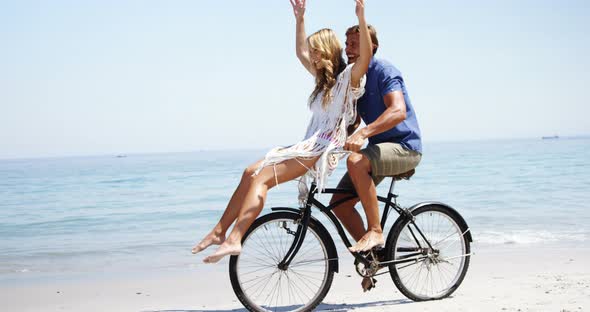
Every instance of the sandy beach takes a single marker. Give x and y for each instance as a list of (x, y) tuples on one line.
[(500, 278)]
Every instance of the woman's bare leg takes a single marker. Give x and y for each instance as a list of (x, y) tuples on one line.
[(217, 235), (254, 200)]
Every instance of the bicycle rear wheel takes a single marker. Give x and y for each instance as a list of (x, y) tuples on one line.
[(258, 281), (432, 271)]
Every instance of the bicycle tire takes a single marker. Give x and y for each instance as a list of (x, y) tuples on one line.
[(451, 248), (260, 231)]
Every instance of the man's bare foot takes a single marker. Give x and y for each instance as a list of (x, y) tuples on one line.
[(211, 239), (224, 250), (370, 240)]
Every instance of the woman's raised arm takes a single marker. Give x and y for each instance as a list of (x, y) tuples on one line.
[(361, 65), (301, 48)]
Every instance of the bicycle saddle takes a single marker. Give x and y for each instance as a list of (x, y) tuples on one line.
[(404, 176)]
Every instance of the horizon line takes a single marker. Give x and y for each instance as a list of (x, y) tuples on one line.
[(218, 149)]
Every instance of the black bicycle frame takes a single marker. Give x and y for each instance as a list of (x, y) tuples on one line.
[(327, 210)]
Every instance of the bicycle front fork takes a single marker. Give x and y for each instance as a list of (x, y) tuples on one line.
[(300, 233)]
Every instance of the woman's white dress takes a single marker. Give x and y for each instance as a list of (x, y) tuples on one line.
[(326, 133)]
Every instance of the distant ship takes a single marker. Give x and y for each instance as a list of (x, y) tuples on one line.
[(550, 137)]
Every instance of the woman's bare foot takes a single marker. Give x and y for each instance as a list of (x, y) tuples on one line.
[(370, 240), (211, 239), (224, 250)]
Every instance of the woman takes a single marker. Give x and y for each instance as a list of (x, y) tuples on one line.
[(333, 105)]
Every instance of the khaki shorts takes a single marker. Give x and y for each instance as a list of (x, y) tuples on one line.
[(387, 159)]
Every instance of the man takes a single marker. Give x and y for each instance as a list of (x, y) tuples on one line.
[(394, 143)]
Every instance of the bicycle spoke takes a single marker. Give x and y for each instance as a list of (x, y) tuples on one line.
[(255, 271), (443, 260), (265, 285), (300, 263), (259, 283), (305, 281), (454, 257), (271, 288), (458, 240), (271, 294)]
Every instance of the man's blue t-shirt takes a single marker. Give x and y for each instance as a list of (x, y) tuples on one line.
[(382, 78)]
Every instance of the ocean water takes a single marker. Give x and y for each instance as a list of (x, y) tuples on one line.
[(91, 215)]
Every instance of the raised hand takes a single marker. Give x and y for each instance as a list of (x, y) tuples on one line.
[(360, 8), (361, 64), (298, 8)]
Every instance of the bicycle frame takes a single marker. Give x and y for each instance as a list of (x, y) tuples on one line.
[(390, 202)]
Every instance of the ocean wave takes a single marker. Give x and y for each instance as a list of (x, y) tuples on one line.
[(119, 181), (530, 237)]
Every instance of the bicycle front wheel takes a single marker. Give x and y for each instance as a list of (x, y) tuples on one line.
[(258, 281), (431, 253)]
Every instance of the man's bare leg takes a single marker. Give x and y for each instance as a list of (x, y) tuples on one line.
[(359, 168), (349, 216)]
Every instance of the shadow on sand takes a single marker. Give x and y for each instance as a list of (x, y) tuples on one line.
[(322, 307)]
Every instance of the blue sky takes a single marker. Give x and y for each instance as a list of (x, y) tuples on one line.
[(115, 77)]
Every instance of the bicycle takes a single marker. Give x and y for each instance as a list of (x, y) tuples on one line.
[(288, 258)]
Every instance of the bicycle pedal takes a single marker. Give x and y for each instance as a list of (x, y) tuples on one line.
[(368, 283)]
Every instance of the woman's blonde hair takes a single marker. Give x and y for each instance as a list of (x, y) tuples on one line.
[(332, 63)]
